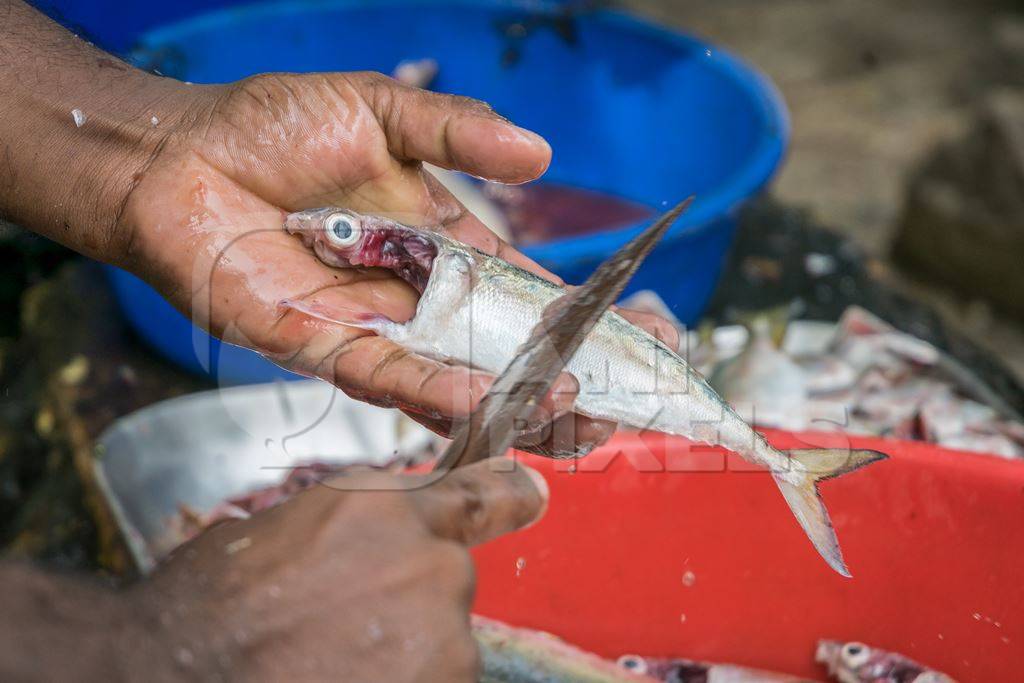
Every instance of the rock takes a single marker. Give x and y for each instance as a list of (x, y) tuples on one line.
[(1008, 41), (963, 222)]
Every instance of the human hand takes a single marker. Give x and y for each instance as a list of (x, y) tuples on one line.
[(187, 186), (365, 584), (203, 224)]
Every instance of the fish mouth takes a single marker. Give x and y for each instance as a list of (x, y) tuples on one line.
[(293, 224), (407, 252), (827, 653)]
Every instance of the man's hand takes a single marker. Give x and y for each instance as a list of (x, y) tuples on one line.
[(204, 224), (187, 186), (355, 585)]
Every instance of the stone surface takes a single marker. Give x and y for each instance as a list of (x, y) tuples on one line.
[(871, 86), (963, 224)]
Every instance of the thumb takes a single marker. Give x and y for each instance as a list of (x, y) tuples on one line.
[(453, 132), (478, 503)]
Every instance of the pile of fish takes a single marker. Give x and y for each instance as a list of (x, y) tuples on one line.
[(859, 376), (858, 663), (517, 655)]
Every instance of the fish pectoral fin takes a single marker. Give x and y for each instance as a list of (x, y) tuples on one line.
[(805, 501), (342, 315)]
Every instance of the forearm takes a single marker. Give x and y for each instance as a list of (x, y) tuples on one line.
[(68, 180), (56, 627)]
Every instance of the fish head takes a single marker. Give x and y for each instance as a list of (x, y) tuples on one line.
[(665, 669), (854, 662), (676, 670), (844, 660), (346, 239)]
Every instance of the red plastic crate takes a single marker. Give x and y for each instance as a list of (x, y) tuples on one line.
[(656, 546)]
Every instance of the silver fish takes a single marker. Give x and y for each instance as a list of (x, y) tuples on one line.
[(855, 662), (518, 655), (511, 654), (565, 324), (477, 310), (674, 670), (765, 379)]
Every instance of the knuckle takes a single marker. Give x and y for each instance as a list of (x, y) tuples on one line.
[(376, 90), (384, 369), (427, 378), (256, 81), (374, 78), (260, 87)]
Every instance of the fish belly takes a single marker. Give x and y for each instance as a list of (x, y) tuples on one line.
[(625, 375)]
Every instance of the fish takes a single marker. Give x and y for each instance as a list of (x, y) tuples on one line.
[(564, 326), (675, 670), (765, 380), (477, 310), (854, 662), (509, 654)]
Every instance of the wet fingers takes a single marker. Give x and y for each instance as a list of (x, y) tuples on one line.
[(662, 329)]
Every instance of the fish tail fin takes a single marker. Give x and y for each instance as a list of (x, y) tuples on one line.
[(805, 501)]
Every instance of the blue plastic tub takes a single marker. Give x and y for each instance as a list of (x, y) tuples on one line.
[(630, 109)]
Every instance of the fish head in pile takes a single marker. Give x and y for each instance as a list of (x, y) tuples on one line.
[(853, 662)]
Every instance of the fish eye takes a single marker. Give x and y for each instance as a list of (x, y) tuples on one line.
[(855, 654), (342, 230), (633, 663)]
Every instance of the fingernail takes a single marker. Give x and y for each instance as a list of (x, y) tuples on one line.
[(542, 488), (533, 138)]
